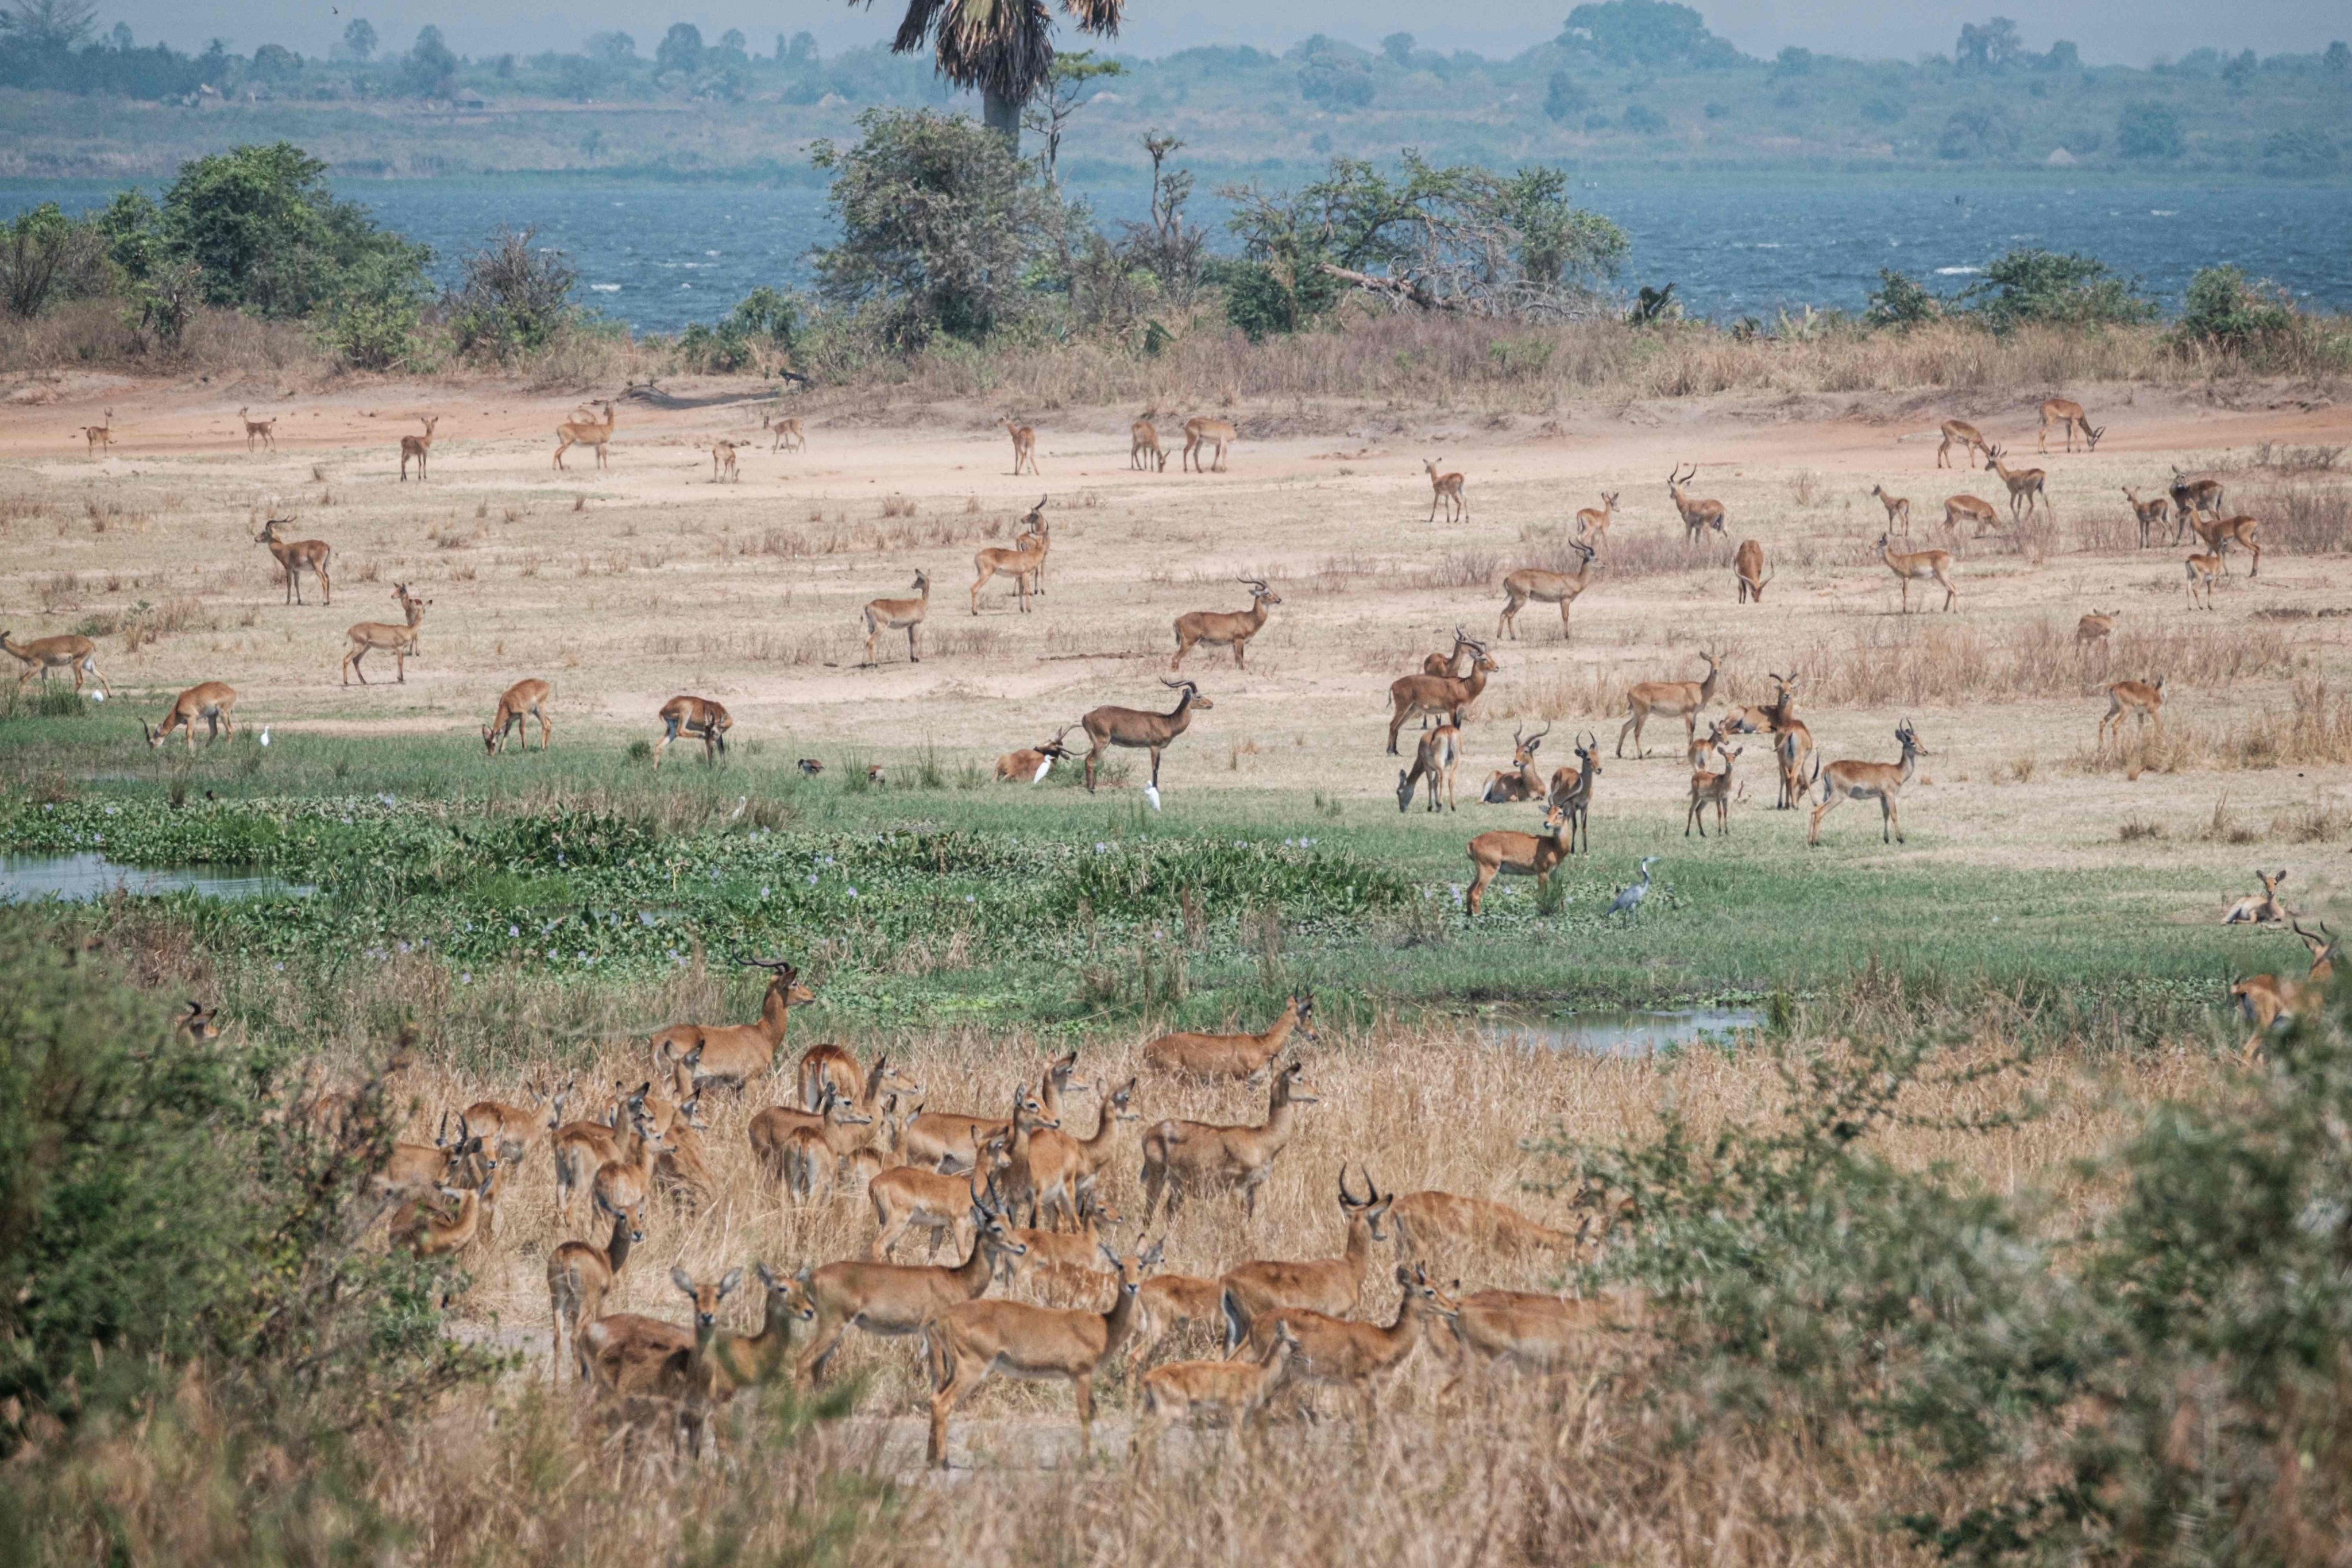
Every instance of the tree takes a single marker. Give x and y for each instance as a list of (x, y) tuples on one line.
[(32, 253), (2149, 131), (732, 38), (2042, 288), (1051, 113), (2063, 56), (1334, 77), (613, 49), (276, 62), (48, 27), (2339, 57), (1398, 48), (1645, 33), (1900, 302), (1991, 48), (2307, 150), (1977, 132), (431, 67), (514, 299), (679, 50), (1563, 99), (265, 234), (1002, 48), (2222, 307), (359, 39)]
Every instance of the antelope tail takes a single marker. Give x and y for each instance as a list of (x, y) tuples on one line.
[(1236, 1322)]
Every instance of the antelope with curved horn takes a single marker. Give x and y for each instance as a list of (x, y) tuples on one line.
[(1593, 522), (1881, 782), (2149, 515), (1031, 766), (1534, 584), (1186, 1159), (1572, 792), (1506, 852), (2265, 908), (296, 556), (1966, 437), (1712, 789), (1140, 729), (375, 637), (1232, 1055), (1682, 699), (1255, 1292), (1439, 694), (2139, 700), (1439, 753), (1748, 564), (1025, 444), (1339, 1352), (900, 614), (2025, 486), (522, 701), (731, 1054), (1522, 781), (69, 650), (98, 435), (1201, 431), (2267, 1000), (262, 431), (595, 433), (693, 716), (1899, 508), (1698, 516), (1918, 565), (1219, 628), (1143, 448), (212, 701), (1025, 560), (1445, 489), (417, 447), (894, 1299), (2066, 411)]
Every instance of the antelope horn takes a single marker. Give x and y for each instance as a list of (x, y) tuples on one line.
[(1540, 734), (1345, 1195), (751, 962)]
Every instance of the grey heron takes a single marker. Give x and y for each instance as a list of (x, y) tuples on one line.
[(1628, 901)]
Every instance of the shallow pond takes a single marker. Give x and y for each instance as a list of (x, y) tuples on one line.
[(1630, 1032), (78, 878)]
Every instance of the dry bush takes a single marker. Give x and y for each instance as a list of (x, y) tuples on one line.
[(1461, 569), (2300, 519), (2314, 728)]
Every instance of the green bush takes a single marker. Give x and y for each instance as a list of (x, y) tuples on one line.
[(266, 234), (2309, 151), (2150, 130), (2223, 308), (2042, 288), (370, 321), (514, 299), (1901, 301)]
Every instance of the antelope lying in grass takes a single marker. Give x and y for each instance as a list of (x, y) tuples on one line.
[(731, 1054), (1188, 1159), (893, 1300), (1255, 1292), (1507, 853), (1031, 766), (1231, 1055), (1363, 1357), (1881, 782), (2269, 1002), (1439, 753), (1522, 781), (2264, 908)]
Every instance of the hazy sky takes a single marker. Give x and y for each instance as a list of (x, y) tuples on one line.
[(2113, 31)]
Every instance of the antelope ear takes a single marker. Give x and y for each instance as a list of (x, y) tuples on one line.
[(680, 1278), (727, 1286), (1152, 1257), (767, 1277), (1404, 1275)]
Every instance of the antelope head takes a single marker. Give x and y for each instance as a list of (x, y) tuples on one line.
[(1910, 739), (1054, 748), (1191, 693), (2091, 433), (1371, 1205), (1677, 479), (1259, 590)]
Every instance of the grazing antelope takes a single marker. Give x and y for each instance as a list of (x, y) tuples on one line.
[(1748, 564), (1506, 852), (579, 1278), (212, 701), (1425, 1223), (2148, 513), (2269, 1001), (66, 651), (522, 701), (1134, 727), (788, 433), (972, 1340), (294, 556), (417, 447), (1532, 584), (2095, 630), (1202, 431), (731, 1054), (98, 435), (1063, 1168), (1572, 792), (1529, 1332), (2224, 531), (1025, 444), (827, 1065), (693, 716), (1711, 789), (1445, 489), (1233, 1391), (1966, 437), (907, 1197), (1971, 509), (382, 637), (595, 433), (1232, 1055), (1439, 694), (2204, 571), (2142, 701), (722, 460), (893, 1300), (1025, 559), (1031, 766), (1342, 1353), (1219, 628), (1592, 523), (1899, 508), (1439, 753), (2025, 486), (1185, 1159), (2192, 493), (260, 430), (2060, 410), (1910, 566), (1522, 781), (1143, 448), (1682, 699), (1881, 782), (1255, 1292), (897, 614), (2264, 908), (1698, 516)]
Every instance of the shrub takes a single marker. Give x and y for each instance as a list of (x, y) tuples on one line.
[(1901, 301), (265, 235), (1563, 99), (2223, 308), (1644, 120), (371, 324), (2149, 131), (1977, 132), (514, 299), (2043, 287), (2309, 151)]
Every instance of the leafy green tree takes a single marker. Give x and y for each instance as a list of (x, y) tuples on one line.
[(359, 39), (276, 62), (1902, 302), (33, 249), (1645, 33), (514, 299), (2149, 131), (1334, 77), (1002, 47), (1398, 48), (680, 49), (1059, 102), (264, 231), (2223, 308), (2033, 287), (431, 69), (2303, 150), (370, 319), (1563, 99), (1994, 46), (613, 49)]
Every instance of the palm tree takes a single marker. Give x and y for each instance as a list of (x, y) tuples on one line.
[(1003, 47)]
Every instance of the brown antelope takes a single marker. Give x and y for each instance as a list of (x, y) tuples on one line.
[(1143, 448), (2148, 513), (693, 716), (734, 1054), (690, 1386), (1030, 765), (1748, 562), (789, 437), (595, 433), (1572, 792), (429, 1231), (1019, 1183), (1234, 1392), (66, 651), (1507, 853), (2222, 532), (1532, 584), (1219, 628), (2268, 1001), (1973, 509), (1439, 753), (1063, 1168), (1201, 431), (1025, 559), (2025, 486), (520, 703), (1232, 1055), (1711, 789), (2141, 700), (1710, 744), (1136, 728), (579, 1278), (901, 614), (1593, 522), (910, 1197), (1899, 508), (893, 1300), (682, 1171), (1445, 489), (1522, 781), (826, 1064), (213, 701), (620, 1187), (1698, 516), (722, 460), (1793, 743), (1054, 1257), (2204, 572), (2095, 630), (734, 1362), (1342, 1353), (200, 1023), (1455, 664), (260, 430), (294, 557), (2264, 908), (510, 1130), (951, 1142), (2060, 410), (98, 435), (1169, 1305), (1426, 1223), (1441, 695), (1682, 699), (1881, 782), (2191, 494), (1966, 437), (417, 447), (1255, 1292), (1185, 1159), (1917, 565), (411, 1170), (583, 1148), (1025, 444), (811, 1157), (1529, 1332), (382, 637), (1036, 535)]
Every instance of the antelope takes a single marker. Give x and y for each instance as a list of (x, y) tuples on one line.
[(1025, 444), (682, 1171), (620, 1187), (1714, 789), (2267, 1000), (1532, 1332), (2025, 485), (1143, 448), (1255, 1292), (1342, 1353), (1170, 1303), (722, 460), (579, 1278), (1445, 489), (98, 435), (1700, 750), (417, 447), (1793, 745), (212, 701), (1235, 1391), (1455, 664), (200, 1023), (66, 651), (811, 1157), (1899, 508), (258, 430), (2190, 494), (411, 1169), (1029, 1117), (1916, 565), (1523, 780), (1027, 556), (950, 1141), (1592, 523), (429, 1232), (1181, 1159), (1063, 1168), (1682, 699), (693, 716), (510, 1130), (893, 1300), (1219, 628), (1439, 753), (733, 1361), (906, 1197), (582, 1149), (2069, 414), (1958, 433), (518, 704), (1882, 782), (1748, 564), (595, 433), (693, 1384), (2264, 908), (1032, 765), (1201, 431), (2141, 700), (1040, 539), (1534, 584), (2148, 513), (1698, 516), (1066, 1263), (1572, 792), (1971, 509), (1232, 1055), (788, 433), (2204, 571), (1439, 694), (1132, 727), (296, 555), (895, 614), (731, 1054), (824, 1064), (372, 636), (2094, 630), (1424, 1221), (2224, 532), (1507, 853)]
